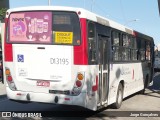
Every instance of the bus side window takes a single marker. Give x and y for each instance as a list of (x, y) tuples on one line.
[(91, 43), (126, 51), (148, 51), (116, 46), (134, 49), (142, 50)]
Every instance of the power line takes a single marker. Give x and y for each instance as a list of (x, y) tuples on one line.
[(93, 1), (84, 4), (100, 8)]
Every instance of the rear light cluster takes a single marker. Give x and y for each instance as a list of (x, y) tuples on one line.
[(9, 79), (78, 84)]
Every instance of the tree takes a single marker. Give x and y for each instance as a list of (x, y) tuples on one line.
[(2, 14)]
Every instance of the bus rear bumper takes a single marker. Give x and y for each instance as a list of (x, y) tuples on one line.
[(47, 97)]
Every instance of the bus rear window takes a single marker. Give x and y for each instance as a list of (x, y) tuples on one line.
[(44, 28), (66, 28)]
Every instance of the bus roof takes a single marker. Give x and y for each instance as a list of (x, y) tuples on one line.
[(83, 14)]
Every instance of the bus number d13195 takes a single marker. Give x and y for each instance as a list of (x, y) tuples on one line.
[(61, 61)]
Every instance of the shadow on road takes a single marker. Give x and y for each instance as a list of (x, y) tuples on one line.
[(3, 96), (155, 88)]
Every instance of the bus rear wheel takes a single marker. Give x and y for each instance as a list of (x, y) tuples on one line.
[(119, 97)]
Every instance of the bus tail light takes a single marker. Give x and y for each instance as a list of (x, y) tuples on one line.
[(78, 84), (80, 76), (7, 72), (9, 79)]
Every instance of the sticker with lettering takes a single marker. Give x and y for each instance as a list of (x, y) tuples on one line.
[(22, 72), (64, 37)]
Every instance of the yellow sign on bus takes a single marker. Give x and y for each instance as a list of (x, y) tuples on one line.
[(64, 37)]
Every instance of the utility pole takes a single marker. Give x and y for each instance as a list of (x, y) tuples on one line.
[(49, 2), (159, 6), (92, 5)]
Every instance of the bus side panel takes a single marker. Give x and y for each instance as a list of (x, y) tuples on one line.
[(131, 74), (92, 87), (89, 86)]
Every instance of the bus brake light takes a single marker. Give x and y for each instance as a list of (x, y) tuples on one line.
[(9, 78), (78, 83)]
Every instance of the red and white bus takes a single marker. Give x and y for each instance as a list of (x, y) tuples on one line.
[(65, 55)]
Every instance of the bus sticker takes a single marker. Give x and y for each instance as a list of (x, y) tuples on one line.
[(22, 72), (20, 58), (30, 26), (64, 37)]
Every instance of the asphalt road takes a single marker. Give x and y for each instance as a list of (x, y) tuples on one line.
[(137, 104)]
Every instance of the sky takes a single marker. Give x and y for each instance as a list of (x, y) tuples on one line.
[(140, 15)]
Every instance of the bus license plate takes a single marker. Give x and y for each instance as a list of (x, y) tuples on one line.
[(43, 83)]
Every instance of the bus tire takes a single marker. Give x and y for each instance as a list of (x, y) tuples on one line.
[(119, 97)]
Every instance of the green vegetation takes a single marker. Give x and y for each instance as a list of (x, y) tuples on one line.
[(2, 16), (2, 13)]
